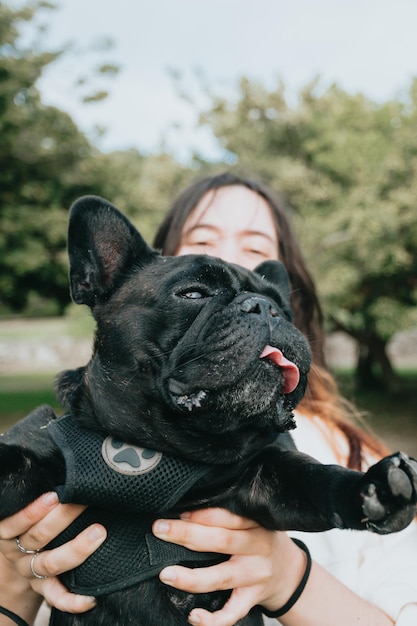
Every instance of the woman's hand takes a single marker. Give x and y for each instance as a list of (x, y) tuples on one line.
[(265, 567), (36, 526)]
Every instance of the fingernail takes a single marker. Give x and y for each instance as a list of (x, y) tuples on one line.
[(50, 499), (90, 599), (193, 619), (167, 575), (160, 528), (96, 533), (186, 515)]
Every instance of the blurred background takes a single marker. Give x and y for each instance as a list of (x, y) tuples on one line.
[(131, 101)]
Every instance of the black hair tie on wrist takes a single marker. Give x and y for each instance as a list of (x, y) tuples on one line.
[(15, 618), (299, 590)]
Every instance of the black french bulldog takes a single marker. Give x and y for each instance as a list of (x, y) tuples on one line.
[(185, 403)]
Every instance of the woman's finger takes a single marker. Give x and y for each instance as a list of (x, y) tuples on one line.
[(50, 563), (219, 517), (53, 562), (50, 526), (20, 522), (58, 596), (228, 575), (239, 604), (206, 538)]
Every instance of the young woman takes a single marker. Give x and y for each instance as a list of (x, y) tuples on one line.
[(356, 577)]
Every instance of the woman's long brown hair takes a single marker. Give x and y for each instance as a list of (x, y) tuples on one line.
[(322, 397)]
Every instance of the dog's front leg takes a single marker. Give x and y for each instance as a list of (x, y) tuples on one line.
[(30, 462), (23, 477), (287, 490)]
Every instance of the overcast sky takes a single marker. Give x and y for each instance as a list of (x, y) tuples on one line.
[(363, 45)]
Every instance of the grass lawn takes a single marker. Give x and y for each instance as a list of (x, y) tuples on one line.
[(19, 395), (77, 324)]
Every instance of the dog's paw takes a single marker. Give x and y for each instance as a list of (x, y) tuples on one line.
[(389, 494)]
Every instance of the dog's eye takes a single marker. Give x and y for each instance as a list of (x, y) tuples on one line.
[(193, 295), (195, 292)]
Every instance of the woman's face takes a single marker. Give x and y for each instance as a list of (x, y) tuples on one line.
[(234, 224)]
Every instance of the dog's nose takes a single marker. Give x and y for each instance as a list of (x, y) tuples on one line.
[(258, 306)]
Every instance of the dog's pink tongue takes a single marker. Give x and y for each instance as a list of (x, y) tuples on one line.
[(291, 373)]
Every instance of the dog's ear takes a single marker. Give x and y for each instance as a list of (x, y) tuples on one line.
[(275, 273), (102, 247)]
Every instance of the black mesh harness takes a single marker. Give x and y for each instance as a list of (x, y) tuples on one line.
[(126, 488)]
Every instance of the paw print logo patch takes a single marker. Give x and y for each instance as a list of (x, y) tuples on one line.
[(127, 459)]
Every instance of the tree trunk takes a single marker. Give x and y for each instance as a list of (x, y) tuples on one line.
[(374, 369)]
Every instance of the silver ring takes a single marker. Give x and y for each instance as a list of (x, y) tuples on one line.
[(22, 549), (32, 567)]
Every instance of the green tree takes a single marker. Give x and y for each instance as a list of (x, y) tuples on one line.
[(41, 153), (142, 187), (349, 168)]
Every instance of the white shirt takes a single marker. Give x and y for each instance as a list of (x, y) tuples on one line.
[(382, 569)]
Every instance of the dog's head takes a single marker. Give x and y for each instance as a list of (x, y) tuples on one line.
[(192, 355)]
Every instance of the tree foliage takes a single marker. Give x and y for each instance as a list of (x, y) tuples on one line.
[(38, 145), (42, 165), (349, 167), (141, 186), (46, 162)]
